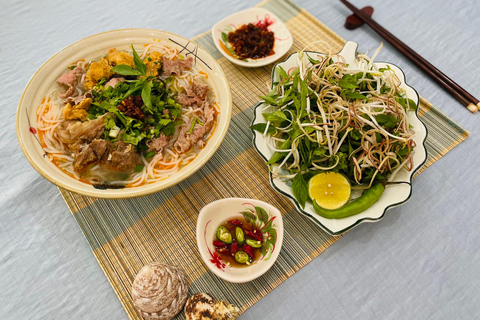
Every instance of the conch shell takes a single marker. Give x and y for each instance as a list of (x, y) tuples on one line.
[(159, 291), (202, 306)]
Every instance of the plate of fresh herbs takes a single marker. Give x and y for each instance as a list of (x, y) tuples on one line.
[(344, 114)]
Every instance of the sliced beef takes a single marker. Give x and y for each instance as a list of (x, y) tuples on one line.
[(122, 158), (195, 95), (74, 134), (118, 156), (69, 79), (176, 66), (186, 140), (159, 143), (96, 152)]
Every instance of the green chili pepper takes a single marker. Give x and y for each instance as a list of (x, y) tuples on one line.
[(224, 235), (239, 235), (254, 243), (241, 257), (365, 201)]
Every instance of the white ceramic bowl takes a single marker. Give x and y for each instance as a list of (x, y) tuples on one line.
[(93, 48), (392, 196), (216, 213), (283, 37)]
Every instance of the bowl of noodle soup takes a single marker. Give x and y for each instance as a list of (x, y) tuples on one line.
[(124, 113)]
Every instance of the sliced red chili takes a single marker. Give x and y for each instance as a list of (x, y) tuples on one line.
[(236, 222), (253, 235), (234, 247), (222, 250), (249, 250), (217, 243)]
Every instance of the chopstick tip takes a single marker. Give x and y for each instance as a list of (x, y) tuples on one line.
[(473, 108), (478, 106)]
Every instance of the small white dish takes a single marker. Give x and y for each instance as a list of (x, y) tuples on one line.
[(216, 213), (392, 197), (283, 37)]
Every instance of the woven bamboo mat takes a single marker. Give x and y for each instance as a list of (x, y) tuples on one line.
[(126, 234)]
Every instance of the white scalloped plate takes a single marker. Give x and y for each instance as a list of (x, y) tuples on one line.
[(392, 197)]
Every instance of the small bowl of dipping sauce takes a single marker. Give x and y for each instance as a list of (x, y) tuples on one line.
[(252, 38), (239, 239)]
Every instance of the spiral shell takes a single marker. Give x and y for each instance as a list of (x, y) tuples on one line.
[(202, 306), (159, 291)]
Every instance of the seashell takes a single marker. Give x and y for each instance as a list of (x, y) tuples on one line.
[(159, 291), (202, 306)]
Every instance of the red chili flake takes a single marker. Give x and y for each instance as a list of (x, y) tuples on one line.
[(33, 130), (217, 243), (253, 235), (236, 222), (249, 250), (234, 247)]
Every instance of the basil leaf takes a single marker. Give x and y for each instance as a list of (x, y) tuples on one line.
[(278, 156), (125, 70), (277, 116), (389, 122), (139, 63), (269, 100), (260, 127), (146, 94), (300, 189), (348, 82)]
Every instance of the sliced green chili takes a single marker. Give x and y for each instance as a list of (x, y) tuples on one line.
[(239, 235), (224, 235), (254, 243), (241, 257)]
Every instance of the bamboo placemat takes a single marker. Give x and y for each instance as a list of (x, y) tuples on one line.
[(126, 234)]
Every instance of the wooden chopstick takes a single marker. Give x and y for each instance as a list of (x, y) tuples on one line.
[(469, 101)]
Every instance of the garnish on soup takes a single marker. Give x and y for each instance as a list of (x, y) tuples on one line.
[(128, 119)]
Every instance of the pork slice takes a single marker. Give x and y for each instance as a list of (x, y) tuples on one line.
[(69, 79), (74, 133), (78, 99), (113, 82), (176, 66)]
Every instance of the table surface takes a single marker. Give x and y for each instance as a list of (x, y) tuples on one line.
[(421, 261)]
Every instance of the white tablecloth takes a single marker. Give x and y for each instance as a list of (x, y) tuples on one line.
[(421, 261)]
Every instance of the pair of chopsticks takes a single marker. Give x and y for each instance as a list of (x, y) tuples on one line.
[(469, 101)]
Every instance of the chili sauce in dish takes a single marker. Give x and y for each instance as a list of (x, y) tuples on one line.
[(238, 242), (252, 41)]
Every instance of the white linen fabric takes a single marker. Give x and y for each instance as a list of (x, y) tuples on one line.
[(421, 261)]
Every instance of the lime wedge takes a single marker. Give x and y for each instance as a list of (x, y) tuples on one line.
[(330, 190)]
